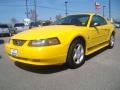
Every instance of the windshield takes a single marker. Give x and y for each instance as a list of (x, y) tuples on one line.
[(3, 26), (19, 25), (80, 20)]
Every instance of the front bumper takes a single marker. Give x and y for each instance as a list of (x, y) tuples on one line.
[(48, 55)]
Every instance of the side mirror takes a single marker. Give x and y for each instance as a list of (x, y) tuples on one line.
[(95, 24)]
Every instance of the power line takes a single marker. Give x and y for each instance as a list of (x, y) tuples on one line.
[(39, 6), (13, 5), (50, 8), (32, 5)]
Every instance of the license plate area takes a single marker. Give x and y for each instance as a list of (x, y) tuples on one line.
[(14, 52)]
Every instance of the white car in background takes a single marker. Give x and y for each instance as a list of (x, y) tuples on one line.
[(19, 27), (6, 30), (117, 24)]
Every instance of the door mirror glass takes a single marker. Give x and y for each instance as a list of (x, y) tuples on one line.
[(95, 24)]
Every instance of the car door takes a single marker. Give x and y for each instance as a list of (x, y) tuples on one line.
[(103, 28), (97, 33)]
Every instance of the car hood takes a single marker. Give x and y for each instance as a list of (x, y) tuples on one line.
[(46, 32)]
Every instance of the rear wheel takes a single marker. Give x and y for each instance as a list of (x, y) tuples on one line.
[(76, 54), (111, 41)]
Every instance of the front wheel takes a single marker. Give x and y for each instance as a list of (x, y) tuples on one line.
[(76, 54)]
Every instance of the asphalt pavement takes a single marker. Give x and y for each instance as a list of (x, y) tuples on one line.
[(100, 72)]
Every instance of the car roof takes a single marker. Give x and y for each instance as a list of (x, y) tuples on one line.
[(91, 14), (84, 14)]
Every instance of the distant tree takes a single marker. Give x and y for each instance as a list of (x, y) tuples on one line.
[(58, 17), (14, 20)]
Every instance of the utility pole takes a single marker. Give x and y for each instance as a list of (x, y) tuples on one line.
[(103, 10), (110, 9), (26, 8), (66, 12), (35, 10)]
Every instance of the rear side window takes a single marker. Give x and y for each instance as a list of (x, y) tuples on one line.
[(98, 19)]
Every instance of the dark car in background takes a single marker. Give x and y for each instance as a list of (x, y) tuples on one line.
[(39, 23), (34, 24), (46, 23)]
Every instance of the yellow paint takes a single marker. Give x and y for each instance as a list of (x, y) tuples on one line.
[(56, 54)]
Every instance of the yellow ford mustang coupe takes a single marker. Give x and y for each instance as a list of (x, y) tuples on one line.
[(69, 41)]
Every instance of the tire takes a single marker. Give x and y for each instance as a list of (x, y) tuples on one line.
[(76, 54), (111, 41)]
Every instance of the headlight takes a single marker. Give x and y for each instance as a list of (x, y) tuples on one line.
[(45, 42)]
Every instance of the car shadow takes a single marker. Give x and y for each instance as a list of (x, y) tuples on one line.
[(41, 69), (53, 69), (2, 41), (87, 58), (0, 57)]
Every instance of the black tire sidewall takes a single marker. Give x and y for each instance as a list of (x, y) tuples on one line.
[(70, 62), (111, 46)]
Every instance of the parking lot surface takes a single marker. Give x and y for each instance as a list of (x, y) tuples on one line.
[(100, 72)]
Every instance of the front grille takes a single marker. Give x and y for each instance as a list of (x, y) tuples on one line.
[(17, 42)]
